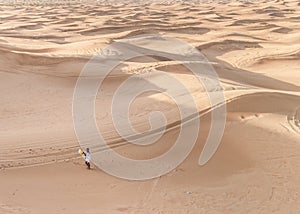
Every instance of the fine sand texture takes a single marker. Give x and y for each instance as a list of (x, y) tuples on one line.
[(254, 46)]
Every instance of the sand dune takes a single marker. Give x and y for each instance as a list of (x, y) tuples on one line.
[(254, 48)]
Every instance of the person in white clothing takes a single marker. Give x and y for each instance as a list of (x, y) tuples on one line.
[(87, 158)]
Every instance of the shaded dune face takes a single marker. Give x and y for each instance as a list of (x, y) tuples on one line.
[(254, 48)]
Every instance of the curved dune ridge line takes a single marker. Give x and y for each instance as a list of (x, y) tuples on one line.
[(253, 46)]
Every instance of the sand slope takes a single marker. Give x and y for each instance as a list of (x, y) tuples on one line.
[(255, 48)]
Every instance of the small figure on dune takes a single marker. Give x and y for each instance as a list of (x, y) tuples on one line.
[(87, 157)]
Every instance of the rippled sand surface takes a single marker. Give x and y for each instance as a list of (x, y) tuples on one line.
[(255, 49)]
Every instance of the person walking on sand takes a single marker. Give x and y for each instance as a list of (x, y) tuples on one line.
[(87, 158)]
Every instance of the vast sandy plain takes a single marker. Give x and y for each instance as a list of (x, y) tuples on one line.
[(255, 49)]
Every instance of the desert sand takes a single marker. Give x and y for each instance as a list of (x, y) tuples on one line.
[(255, 49)]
